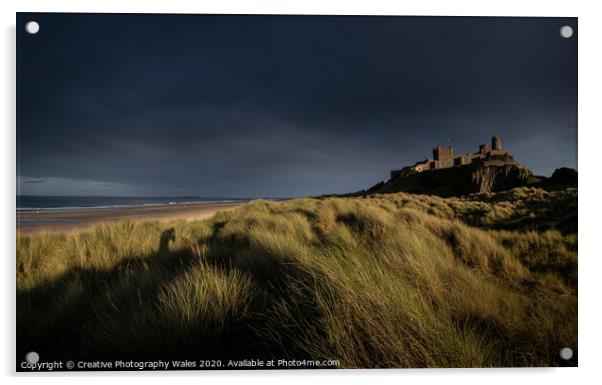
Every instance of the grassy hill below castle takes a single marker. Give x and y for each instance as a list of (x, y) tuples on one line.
[(396, 280)]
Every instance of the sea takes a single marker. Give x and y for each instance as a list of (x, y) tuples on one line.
[(68, 203)]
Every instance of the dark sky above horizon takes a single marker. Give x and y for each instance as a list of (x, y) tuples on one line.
[(281, 106)]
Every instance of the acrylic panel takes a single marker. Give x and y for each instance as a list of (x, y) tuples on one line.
[(231, 192)]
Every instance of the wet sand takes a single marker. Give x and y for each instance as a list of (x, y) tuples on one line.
[(65, 221)]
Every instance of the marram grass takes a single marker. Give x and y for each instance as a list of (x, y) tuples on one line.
[(393, 280)]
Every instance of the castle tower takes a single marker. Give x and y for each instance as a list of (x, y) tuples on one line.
[(484, 148), (443, 153), (444, 156), (496, 143)]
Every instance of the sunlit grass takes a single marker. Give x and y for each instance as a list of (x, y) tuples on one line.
[(395, 280)]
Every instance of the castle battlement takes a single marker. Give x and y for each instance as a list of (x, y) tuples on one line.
[(443, 157)]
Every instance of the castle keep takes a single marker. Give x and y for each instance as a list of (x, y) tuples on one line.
[(443, 157)]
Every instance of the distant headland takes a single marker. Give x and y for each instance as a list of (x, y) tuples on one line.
[(487, 170)]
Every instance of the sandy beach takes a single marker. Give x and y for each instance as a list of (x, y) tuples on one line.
[(64, 221)]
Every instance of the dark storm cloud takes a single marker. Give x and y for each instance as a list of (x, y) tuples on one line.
[(282, 105)]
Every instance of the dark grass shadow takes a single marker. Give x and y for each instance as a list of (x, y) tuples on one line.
[(281, 281), (52, 315), (57, 318)]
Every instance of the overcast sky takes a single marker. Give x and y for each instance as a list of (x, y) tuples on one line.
[(281, 106)]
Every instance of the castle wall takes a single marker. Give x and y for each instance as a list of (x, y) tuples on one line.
[(443, 157), (463, 160), (422, 167), (498, 152)]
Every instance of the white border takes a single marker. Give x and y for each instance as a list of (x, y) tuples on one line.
[(590, 254)]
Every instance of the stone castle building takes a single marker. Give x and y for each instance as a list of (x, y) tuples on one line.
[(443, 157)]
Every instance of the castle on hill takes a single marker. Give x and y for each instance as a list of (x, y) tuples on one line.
[(443, 157)]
